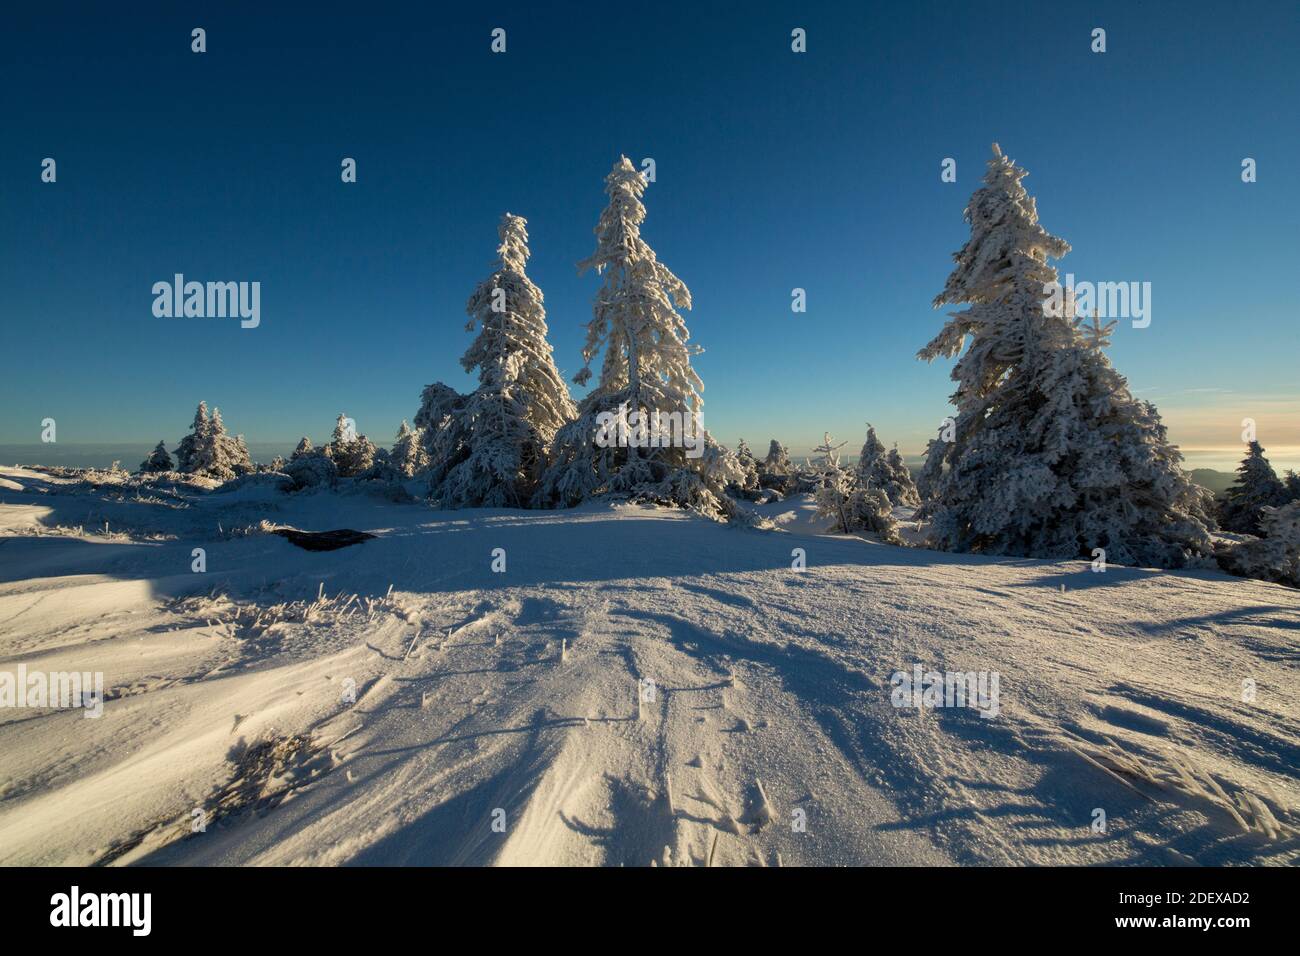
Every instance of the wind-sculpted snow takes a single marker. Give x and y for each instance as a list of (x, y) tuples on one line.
[(636, 686)]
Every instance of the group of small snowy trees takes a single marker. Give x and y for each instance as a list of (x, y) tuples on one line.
[(1260, 504), (519, 441), (351, 453), (1050, 455), (1275, 554), (886, 471), (208, 451), (858, 500), (346, 455)]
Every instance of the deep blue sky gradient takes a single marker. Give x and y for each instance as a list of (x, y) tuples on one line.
[(775, 170)]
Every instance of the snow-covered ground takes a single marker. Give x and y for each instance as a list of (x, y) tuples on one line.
[(511, 698)]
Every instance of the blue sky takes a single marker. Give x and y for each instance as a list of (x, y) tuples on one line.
[(774, 170)]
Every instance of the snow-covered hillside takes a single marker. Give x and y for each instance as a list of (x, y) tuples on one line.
[(508, 717)]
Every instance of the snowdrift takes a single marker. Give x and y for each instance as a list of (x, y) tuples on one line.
[(637, 686)]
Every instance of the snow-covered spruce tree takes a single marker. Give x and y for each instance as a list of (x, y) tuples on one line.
[(229, 454), (646, 372), (834, 484), (871, 460), (350, 452), (158, 460), (886, 471), (311, 470), (850, 504), (1257, 487), (1292, 483), (902, 489), (777, 461), (1051, 455), (745, 456), (748, 466), (504, 427), (441, 430), (1275, 555), (311, 467), (208, 451), (191, 452), (774, 471), (239, 454), (927, 480), (408, 455)]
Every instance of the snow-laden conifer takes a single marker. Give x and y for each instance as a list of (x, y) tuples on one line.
[(158, 461), (777, 461), (502, 429), (351, 453), (1292, 483), (886, 471), (849, 503), (312, 469), (1257, 486), (195, 444), (209, 451), (646, 371), (227, 453), (748, 466), (901, 489), (826, 457), (408, 455), (1275, 555), (1051, 455)]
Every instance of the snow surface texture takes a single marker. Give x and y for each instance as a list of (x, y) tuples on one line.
[(520, 697)]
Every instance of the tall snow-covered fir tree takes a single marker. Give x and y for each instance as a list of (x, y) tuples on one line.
[(1051, 455), (158, 460), (646, 372), (1257, 487), (886, 471), (500, 433)]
